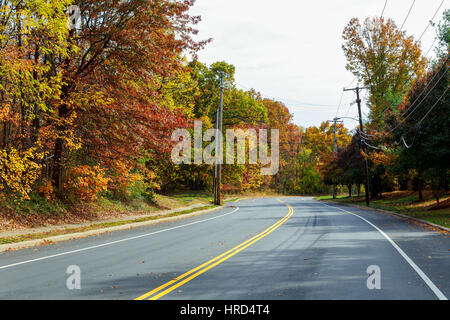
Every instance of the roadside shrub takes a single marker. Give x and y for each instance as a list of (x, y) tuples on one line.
[(85, 183), (128, 184), (46, 191)]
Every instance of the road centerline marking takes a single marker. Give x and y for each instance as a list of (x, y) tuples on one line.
[(193, 273)]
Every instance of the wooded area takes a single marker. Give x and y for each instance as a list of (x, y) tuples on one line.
[(408, 127), (88, 112)]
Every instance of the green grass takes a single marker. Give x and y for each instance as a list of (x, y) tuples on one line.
[(192, 196), (331, 197), (406, 204), (197, 196), (36, 204)]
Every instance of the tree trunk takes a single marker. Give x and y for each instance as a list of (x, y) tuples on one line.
[(63, 112), (419, 187), (59, 146), (349, 186)]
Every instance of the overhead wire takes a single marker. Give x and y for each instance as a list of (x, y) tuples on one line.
[(406, 18), (431, 21), (415, 108), (385, 3), (419, 123)]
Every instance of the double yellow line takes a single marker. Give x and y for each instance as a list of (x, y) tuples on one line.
[(191, 274)]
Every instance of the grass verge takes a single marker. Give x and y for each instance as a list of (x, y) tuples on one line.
[(403, 202), (96, 226)]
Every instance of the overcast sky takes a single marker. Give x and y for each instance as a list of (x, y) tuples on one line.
[(290, 50)]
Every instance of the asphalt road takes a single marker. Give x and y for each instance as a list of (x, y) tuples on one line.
[(296, 248)]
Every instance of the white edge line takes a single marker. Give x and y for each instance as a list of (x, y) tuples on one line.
[(416, 268), (113, 242)]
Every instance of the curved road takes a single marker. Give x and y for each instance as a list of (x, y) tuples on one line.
[(269, 248)]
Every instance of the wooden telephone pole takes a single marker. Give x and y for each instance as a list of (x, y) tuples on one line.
[(219, 146), (362, 145), (335, 121)]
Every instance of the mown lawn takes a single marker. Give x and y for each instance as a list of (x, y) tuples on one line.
[(406, 203)]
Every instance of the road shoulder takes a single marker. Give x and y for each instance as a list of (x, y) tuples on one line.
[(105, 227), (424, 223)]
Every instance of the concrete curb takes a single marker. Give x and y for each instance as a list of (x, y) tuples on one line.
[(391, 213), (84, 234)]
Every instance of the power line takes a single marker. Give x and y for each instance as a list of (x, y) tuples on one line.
[(406, 145), (350, 104), (349, 107), (428, 84), (431, 21), (351, 82), (404, 119), (307, 104), (348, 110), (415, 108), (382, 12), (431, 47), (402, 139), (419, 123), (431, 109), (417, 98), (401, 28), (369, 145), (301, 103), (339, 106), (366, 135)]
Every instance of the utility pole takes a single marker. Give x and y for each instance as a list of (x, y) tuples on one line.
[(219, 147), (335, 121), (362, 145)]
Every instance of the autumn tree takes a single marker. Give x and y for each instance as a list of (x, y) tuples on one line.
[(321, 140), (290, 137), (32, 35), (383, 57), (124, 50)]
